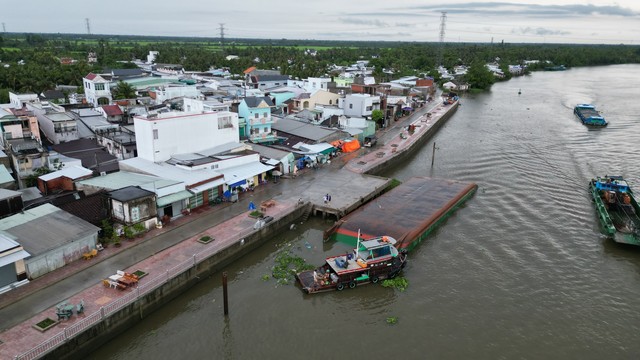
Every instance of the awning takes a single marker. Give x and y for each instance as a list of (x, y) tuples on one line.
[(170, 199), (210, 185), (241, 173), (276, 173), (12, 258), (273, 162)]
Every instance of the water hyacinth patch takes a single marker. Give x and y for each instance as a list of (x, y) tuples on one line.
[(399, 283), (288, 265)]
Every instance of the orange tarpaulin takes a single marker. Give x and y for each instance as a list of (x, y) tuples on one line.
[(351, 146)]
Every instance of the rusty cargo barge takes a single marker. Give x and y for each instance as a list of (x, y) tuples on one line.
[(408, 213)]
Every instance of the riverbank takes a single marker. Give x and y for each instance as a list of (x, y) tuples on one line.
[(118, 310)]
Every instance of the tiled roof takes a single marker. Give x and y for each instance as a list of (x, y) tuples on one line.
[(112, 110), (90, 208), (249, 70), (254, 101), (91, 76)]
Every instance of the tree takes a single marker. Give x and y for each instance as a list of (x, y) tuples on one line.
[(123, 90), (479, 76)]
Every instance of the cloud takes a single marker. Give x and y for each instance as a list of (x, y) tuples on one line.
[(405, 25), (538, 31), (355, 21), (365, 34), (505, 8)]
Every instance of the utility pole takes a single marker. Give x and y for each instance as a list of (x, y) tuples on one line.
[(4, 29), (443, 21), (222, 35), (86, 20)]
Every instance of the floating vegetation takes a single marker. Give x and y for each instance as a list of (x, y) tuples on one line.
[(392, 320), (288, 265), (399, 283)]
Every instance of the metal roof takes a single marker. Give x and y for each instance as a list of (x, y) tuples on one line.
[(169, 199), (303, 130), (121, 179), (72, 172), (130, 193), (46, 227), (5, 176), (168, 171), (238, 173)]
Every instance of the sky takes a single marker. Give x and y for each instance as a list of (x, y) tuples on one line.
[(534, 21)]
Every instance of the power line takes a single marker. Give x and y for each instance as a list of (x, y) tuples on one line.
[(88, 26)]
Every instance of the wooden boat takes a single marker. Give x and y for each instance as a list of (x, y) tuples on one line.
[(617, 209), (371, 261)]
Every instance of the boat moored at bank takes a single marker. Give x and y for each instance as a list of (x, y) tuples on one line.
[(588, 114), (617, 209), (371, 261)]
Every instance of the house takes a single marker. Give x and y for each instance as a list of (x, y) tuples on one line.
[(91, 155), (120, 142), (160, 136), (264, 79), (19, 101), (97, 90), (57, 125), (168, 69), (12, 269), (359, 128), (360, 105), (282, 160), (26, 155), (171, 195), (10, 202), (113, 113), (90, 121), (292, 131), (91, 208), (62, 180), (169, 92), (257, 114), (132, 205), (55, 96), (316, 98), (18, 124), (52, 237)]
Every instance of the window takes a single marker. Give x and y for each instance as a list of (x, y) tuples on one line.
[(266, 130), (257, 115), (368, 108), (350, 106), (224, 122), (155, 134), (99, 86), (329, 102)]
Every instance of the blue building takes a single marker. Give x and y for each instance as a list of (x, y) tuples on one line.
[(256, 111)]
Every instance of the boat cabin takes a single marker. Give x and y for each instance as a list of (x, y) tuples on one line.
[(612, 183)]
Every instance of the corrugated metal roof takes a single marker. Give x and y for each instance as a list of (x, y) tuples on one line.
[(5, 176), (168, 171), (72, 172), (237, 173), (121, 179), (46, 227), (301, 129), (170, 199)]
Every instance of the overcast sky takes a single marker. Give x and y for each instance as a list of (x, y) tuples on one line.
[(534, 21)]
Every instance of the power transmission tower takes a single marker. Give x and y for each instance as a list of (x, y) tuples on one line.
[(86, 20), (222, 35), (443, 22)]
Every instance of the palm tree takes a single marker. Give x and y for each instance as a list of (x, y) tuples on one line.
[(123, 90)]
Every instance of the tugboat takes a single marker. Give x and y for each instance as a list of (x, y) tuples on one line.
[(588, 114), (371, 261), (617, 209)]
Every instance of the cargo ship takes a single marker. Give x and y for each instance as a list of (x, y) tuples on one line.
[(588, 114), (371, 261), (408, 213), (617, 209)]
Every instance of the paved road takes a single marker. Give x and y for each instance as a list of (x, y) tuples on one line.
[(49, 295)]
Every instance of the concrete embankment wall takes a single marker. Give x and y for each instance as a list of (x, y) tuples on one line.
[(405, 153), (79, 346)]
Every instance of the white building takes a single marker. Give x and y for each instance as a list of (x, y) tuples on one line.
[(161, 136), (18, 101), (151, 58), (359, 105), (96, 90), (171, 92)]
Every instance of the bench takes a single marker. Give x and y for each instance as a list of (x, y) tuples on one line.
[(267, 204)]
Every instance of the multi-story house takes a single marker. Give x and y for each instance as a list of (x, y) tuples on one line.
[(360, 105), (27, 155), (256, 112), (160, 136), (57, 125), (96, 90), (18, 124)]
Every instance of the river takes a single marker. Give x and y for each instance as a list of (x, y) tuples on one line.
[(521, 271)]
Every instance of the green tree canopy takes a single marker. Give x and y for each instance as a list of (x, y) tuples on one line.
[(479, 76), (123, 90)]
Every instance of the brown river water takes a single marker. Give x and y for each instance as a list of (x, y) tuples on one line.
[(521, 271)]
